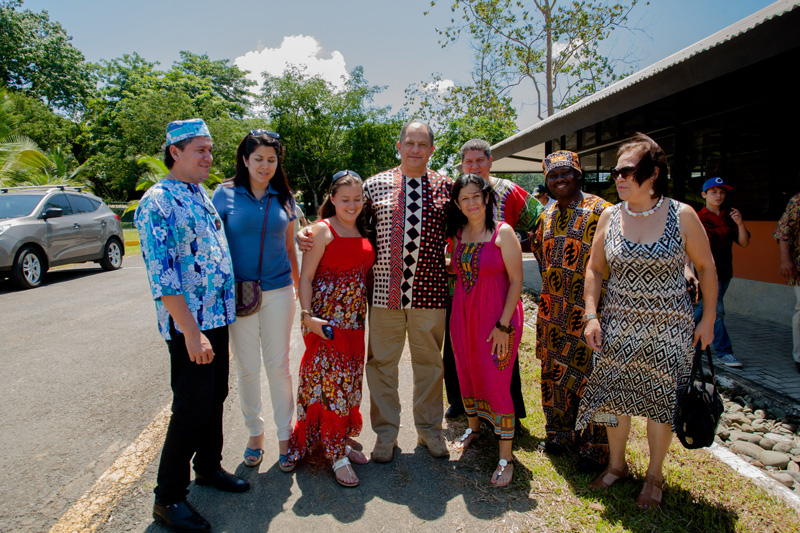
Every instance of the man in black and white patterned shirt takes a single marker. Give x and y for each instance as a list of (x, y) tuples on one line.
[(407, 205)]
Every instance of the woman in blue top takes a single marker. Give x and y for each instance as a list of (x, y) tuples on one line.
[(260, 187)]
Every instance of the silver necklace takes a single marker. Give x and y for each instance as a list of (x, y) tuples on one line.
[(644, 213)]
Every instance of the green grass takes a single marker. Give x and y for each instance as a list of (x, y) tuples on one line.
[(131, 235), (702, 494)]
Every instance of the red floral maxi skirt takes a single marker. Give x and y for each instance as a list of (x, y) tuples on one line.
[(329, 393)]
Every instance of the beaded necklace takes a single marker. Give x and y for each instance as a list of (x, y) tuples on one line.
[(644, 213)]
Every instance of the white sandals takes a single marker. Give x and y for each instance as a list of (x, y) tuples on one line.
[(502, 464), (344, 462), (466, 439)]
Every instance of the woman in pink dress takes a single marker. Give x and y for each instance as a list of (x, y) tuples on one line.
[(486, 324), (333, 296)]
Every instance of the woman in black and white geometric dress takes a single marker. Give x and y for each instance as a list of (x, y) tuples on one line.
[(646, 333)]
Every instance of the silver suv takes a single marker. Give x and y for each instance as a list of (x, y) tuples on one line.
[(47, 226)]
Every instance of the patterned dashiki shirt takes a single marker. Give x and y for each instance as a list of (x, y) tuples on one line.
[(788, 229), (515, 206), (185, 252), (409, 216)]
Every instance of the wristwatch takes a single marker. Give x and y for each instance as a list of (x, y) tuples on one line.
[(505, 329), (589, 316)]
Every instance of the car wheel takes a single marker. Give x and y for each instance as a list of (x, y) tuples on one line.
[(112, 255), (28, 269)]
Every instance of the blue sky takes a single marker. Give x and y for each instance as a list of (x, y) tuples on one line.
[(394, 42)]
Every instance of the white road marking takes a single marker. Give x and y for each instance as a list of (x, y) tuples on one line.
[(91, 510)]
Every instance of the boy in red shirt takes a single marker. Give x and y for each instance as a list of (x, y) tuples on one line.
[(724, 227)]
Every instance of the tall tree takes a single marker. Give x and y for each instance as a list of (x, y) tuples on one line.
[(224, 80), (36, 57), (459, 113), (553, 44), (325, 130), (136, 101)]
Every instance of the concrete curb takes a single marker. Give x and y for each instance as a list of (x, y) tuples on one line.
[(756, 475)]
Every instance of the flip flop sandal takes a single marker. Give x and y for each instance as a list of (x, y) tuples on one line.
[(285, 464), (462, 441), (502, 464), (600, 481), (344, 462), (359, 459), (253, 457)]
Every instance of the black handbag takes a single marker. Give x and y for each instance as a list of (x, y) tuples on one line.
[(699, 405)]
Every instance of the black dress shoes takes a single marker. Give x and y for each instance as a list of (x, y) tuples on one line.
[(454, 411), (180, 516), (222, 480), (552, 448)]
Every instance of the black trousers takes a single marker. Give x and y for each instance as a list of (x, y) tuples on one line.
[(195, 428), (451, 375)]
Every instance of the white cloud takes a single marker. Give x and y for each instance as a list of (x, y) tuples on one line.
[(302, 50), (442, 86)]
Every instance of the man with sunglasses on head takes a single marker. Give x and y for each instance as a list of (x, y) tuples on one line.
[(562, 243), (190, 272)]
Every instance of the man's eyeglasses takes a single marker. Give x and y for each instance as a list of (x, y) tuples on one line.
[(624, 172), (343, 173), (260, 132)]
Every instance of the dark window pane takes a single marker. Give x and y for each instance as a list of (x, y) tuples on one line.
[(60, 200)]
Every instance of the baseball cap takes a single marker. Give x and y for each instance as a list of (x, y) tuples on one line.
[(716, 182)]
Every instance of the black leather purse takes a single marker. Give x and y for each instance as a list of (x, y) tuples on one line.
[(699, 406)]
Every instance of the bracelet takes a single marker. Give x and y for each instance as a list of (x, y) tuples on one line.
[(589, 316), (304, 312), (504, 329)]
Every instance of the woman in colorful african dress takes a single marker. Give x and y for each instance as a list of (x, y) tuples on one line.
[(333, 296), (645, 335), (486, 324)]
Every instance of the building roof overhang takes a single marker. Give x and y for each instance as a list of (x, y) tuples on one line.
[(766, 33)]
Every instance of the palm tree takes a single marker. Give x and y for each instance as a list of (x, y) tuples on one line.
[(17, 152), (55, 167)]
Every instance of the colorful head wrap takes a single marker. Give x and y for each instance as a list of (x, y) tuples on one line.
[(562, 158), (180, 130)]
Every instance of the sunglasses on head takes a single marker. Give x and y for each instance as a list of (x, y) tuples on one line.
[(343, 173), (260, 132), (624, 172)]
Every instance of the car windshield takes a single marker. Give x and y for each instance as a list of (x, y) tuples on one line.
[(18, 205)]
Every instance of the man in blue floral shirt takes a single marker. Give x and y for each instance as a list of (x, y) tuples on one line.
[(189, 268)]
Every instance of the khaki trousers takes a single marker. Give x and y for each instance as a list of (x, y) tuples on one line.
[(387, 335)]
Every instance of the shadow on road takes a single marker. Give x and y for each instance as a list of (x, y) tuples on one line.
[(53, 277)]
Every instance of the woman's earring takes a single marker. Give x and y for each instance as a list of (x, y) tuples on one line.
[(651, 192)]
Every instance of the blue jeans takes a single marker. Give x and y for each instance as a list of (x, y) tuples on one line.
[(722, 342)]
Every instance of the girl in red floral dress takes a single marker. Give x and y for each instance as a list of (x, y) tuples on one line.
[(333, 292)]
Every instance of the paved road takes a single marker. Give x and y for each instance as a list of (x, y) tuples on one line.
[(84, 372), (83, 393)]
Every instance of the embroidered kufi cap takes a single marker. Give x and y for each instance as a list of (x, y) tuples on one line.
[(562, 158), (179, 130)]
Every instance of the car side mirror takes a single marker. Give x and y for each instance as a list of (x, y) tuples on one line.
[(52, 212)]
